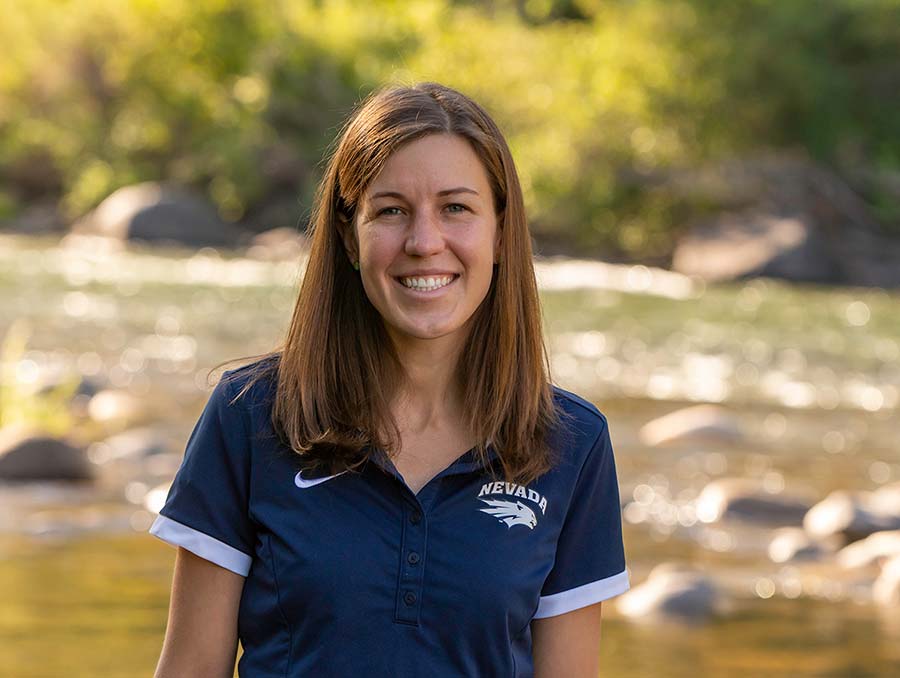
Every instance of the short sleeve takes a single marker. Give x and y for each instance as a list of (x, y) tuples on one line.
[(206, 510), (590, 553)]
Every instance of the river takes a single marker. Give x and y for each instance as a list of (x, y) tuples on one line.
[(809, 374)]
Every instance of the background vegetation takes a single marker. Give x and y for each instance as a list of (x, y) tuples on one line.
[(602, 100)]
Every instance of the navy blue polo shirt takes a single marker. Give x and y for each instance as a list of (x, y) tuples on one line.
[(356, 575)]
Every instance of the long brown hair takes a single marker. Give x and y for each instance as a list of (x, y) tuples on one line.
[(337, 369)]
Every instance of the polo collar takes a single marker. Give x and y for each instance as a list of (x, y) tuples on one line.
[(465, 463)]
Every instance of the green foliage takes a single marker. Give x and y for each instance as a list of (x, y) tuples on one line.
[(20, 402), (597, 97)]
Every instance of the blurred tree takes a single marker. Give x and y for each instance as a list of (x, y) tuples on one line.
[(600, 99), (22, 401)]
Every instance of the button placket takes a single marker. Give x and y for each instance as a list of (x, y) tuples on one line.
[(412, 556)]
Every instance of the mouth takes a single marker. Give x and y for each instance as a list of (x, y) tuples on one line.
[(427, 286)]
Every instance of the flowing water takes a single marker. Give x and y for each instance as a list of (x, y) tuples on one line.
[(810, 374)]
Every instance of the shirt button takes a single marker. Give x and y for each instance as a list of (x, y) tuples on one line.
[(409, 598), (415, 517), (413, 557)]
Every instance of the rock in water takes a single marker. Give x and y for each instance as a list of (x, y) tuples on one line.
[(868, 551), (136, 443), (793, 544), (801, 221), (695, 424), (26, 455), (853, 516), (745, 499), (159, 213), (749, 244), (672, 592), (886, 500)]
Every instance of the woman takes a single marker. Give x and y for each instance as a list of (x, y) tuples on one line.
[(399, 490)]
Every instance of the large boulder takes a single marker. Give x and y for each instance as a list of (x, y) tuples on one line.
[(793, 545), (854, 516), (869, 551), (886, 499), (135, 443), (696, 424), (745, 499), (672, 592), (26, 455), (786, 217), (740, 245), (159, 213)]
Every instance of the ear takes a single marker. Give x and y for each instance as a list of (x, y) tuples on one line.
[(348, 237)]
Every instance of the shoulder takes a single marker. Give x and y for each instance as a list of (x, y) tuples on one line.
[(575, 401), (579, 411), (581, 433), (242, 401), (249, 386)]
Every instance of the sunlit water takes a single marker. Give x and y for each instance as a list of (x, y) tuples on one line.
[(812, 376)]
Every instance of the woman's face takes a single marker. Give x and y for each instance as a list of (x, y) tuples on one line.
[(428, 238)]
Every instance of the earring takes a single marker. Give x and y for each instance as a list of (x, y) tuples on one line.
[(356, 265)]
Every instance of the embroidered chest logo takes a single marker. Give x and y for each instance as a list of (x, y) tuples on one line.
[(512, 512)]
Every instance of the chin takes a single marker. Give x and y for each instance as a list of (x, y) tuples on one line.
[(430, 334), (414, 332)]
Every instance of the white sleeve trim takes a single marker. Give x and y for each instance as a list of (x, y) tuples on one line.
[(201, 544), (582, 596)]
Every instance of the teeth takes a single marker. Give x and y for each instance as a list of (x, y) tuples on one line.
[(427, 284)]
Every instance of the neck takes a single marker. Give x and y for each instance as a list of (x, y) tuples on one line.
[(430, 397)]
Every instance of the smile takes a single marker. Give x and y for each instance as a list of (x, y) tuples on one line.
[(427, 284)]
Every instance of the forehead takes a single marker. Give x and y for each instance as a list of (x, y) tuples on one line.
[(431, 164)]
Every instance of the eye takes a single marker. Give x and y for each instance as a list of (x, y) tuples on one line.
[(456, 204), (387, 209)]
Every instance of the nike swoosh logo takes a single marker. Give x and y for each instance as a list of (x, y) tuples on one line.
[(304, 483)]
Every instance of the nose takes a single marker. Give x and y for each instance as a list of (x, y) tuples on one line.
[(425, 236)]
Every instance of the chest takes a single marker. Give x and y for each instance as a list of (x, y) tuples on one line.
[(423, 457), (463, 545)]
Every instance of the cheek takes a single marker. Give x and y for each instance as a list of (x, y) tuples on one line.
[(378, 249), (481, 257), (373, 280), (480, 272)]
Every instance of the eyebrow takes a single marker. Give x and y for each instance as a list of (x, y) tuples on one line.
[(446, 191)]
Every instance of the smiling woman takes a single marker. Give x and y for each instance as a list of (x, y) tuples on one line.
[(337, 494), (426, 253)]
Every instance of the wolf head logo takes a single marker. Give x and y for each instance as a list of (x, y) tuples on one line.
[(510, 512)]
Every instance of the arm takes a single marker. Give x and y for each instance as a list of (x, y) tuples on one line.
[(567, 644), (201, 635)]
